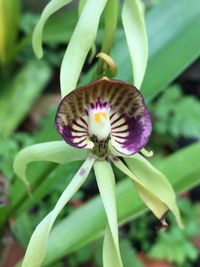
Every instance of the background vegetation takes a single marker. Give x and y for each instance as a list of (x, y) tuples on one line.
[(29, 95)]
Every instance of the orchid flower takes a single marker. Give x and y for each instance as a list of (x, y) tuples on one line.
[(103, 123)]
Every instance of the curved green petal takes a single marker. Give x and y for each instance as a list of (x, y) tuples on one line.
[(51, 8), (81, 5), (110, 258), (106, 184), (146, 153), (155, 204), (111, 19), (156, 182), (56, 151), (156, 189), (136, 35), (81, 42), (37, 246)]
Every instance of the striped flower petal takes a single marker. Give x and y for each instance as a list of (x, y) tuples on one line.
[(105, 110)]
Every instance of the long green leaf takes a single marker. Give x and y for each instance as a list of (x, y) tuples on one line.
[(80, 43), (20, 94), (182, 168), (37, 245), (51, 8), (106, 183), (179, 168), (54, 177), (129, 255), (169, 39), (136, 36)]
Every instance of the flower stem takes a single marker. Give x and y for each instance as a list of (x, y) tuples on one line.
[(111, 18)]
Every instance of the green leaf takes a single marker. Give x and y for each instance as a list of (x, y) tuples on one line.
[(25, 88), (106, 183), (51, 8), (56, 151), (136, 36), (182, 168), (79, 45), (55, 177), (37, 245), (168, 39)]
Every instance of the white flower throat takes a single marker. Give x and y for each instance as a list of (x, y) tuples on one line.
[(99, 123)]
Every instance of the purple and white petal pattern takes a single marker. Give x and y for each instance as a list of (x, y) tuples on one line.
[(105, 109)]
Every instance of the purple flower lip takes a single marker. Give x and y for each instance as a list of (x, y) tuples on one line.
[(107, 109)]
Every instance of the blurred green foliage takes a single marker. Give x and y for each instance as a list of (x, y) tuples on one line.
[(177, 114), (176, 246)]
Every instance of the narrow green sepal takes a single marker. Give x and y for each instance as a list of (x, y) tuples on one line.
[(136, 35), (56, 151), (106, 184), (80, 44), (37, 245), (152, 185)]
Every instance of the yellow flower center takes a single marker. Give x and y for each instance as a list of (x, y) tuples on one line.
[(97, 116)]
